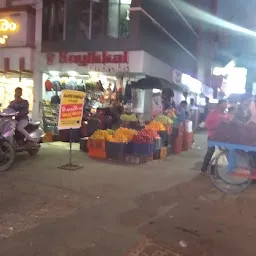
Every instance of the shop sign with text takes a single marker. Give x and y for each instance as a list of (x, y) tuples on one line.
[(94, 61), (71, 109)]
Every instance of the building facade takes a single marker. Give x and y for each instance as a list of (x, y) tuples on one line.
[(20, 48)]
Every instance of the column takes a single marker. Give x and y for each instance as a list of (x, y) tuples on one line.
[(38, 64)]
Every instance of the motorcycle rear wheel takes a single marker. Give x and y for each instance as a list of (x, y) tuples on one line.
[(8, 156)]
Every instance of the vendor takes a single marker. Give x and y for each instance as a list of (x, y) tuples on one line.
[(182, 111), (212, 122)]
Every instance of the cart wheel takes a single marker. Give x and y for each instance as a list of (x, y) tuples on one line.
[(234, 182)]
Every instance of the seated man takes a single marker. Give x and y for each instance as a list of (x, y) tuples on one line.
[(21, 106), (212, 122)]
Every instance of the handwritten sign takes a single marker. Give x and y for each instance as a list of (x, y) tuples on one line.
[(71, 109)]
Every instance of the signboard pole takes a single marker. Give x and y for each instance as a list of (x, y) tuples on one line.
[(70, 166), (70, 117)]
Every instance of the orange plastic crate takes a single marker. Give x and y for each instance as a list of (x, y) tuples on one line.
[(97, 144), (97, 153)]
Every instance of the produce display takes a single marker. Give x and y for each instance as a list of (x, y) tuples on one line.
[(165, 120), (100, 135), (156, 126), (122, 135), (129, 118), (144, 137), (171, 113)]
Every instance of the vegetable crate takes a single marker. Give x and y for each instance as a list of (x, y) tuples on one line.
[(143, 149), (115, 151), (96, 144), (97, 148), (84, 144)]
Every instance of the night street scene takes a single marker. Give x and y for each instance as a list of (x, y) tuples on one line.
[(127, 127)]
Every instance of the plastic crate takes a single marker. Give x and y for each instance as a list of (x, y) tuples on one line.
[(143, 149), (97, 144), (84, 144), (115, 151), (129, 148), (97, 153)]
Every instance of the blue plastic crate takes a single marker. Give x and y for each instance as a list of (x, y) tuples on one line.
[(143, 149)]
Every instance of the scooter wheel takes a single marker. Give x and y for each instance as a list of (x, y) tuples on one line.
[(7, 156)]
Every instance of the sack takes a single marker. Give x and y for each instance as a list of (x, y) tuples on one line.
[(222, 161)]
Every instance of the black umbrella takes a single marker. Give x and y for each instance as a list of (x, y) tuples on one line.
[(151, 83)]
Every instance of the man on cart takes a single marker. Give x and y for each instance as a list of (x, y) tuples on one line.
[(212, 122)]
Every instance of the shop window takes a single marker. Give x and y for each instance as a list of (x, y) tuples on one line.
[(53, 20), (84, 19), (118, 18)]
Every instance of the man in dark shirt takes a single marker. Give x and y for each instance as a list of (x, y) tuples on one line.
[(21, 106)]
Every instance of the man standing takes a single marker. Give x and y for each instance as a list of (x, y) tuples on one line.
[(212, 122), (182, 111), (21, 106)]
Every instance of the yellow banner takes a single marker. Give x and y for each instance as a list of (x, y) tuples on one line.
[(71, 109)]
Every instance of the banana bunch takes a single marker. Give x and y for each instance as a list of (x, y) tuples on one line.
[(163, 119), (128, 118), (100, 135)]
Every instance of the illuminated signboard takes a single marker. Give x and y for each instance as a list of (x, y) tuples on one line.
[(6, 26)]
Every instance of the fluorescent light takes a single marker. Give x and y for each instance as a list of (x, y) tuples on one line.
[(126, 1), (72, 73), (54, 73)]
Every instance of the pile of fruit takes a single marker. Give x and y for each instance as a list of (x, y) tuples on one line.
[(165, 120), (100, 135), (122, 135), (144, 137), (128, 118), (156, 126)]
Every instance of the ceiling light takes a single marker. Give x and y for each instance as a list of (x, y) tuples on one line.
[(72, 73), (54, 73)]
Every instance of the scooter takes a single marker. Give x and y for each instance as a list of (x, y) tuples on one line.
[(12, 141)]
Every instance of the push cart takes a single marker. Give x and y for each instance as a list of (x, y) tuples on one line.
[(232, 169)]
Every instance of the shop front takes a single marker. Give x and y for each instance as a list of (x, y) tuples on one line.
[(17, 32)]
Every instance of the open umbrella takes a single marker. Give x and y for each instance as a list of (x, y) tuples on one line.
[(151, 83)]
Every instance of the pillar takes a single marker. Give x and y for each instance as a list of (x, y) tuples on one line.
[(37, 72)]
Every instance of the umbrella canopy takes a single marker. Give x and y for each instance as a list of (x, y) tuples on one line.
[(151, 83)]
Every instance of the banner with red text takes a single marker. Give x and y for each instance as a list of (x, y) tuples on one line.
[(71, 109)]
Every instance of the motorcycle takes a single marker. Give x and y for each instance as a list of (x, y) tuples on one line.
[(12, 141)]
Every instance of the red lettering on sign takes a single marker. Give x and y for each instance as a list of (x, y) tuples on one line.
[(88, 58)]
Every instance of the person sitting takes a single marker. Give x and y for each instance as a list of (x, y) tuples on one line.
[(21, 106), (212, 122)]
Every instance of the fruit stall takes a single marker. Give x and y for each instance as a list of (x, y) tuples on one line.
[(152, 141)]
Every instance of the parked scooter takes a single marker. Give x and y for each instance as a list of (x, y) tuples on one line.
[(12, 141)]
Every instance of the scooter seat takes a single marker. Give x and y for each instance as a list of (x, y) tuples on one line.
[(35, 123)]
